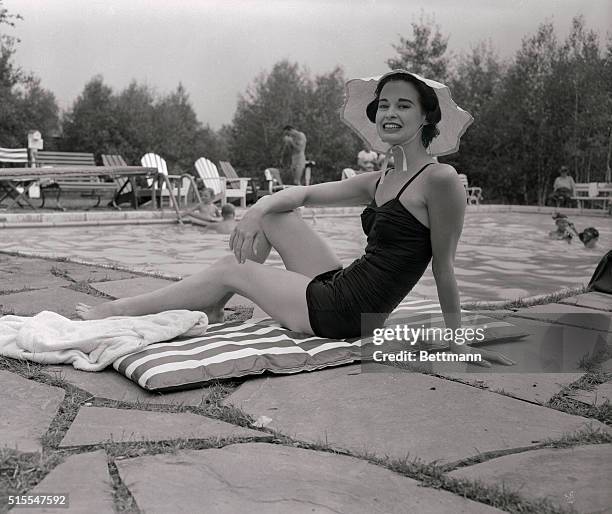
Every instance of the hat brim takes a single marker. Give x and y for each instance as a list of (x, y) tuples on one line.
[(359, 107)]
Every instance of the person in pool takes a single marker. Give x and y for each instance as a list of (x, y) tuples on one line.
[(565, 228), (566, 231), (224, 225), (414, 215), (205, 211)]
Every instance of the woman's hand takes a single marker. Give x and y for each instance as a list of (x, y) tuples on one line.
[(243, 240), (487, 356)]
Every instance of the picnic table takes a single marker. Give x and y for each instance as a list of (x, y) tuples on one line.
[(12, 178)]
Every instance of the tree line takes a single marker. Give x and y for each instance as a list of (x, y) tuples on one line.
[(550, 104)]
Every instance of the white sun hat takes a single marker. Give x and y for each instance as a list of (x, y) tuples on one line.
[(361, 92)]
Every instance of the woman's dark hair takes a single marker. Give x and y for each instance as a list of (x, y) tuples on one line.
[(427, 99)]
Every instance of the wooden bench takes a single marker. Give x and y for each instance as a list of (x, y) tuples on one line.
[(592, 193), (88, 186)]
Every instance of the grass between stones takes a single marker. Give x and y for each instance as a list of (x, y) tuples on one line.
[(434, 476), (81, 286), (23, 289), (19, 472), (114, 267), (526, 302), (564, 402)]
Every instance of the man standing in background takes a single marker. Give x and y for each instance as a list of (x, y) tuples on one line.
[(296, 140)]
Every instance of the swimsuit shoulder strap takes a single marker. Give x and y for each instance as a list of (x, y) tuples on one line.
[(411, 179), (378, 180)]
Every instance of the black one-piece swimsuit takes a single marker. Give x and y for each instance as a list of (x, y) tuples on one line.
[(396, 256)]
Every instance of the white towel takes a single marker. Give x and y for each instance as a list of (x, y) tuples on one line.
[(50, 338)]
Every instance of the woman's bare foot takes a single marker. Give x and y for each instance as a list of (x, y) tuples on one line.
[(87, 312), (108, 309)]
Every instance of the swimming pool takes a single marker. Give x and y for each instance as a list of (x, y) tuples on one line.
[(500, 255)]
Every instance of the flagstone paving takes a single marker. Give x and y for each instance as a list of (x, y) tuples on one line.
[(26, 411), (113, 386), (101, 424), (15, 276), (532, 387), (84, 273), (576, 477), (57, 299), (85, 479), (386, 413), (260, 477), (398, 413), (549, 347), (594, 319), (591, 300)]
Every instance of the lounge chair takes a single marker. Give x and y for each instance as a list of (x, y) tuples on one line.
[(473, 194), (152, 160), (130, 189), (275, 182), (209, 173), (235, 182)]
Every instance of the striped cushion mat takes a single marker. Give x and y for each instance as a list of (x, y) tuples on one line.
[(236, 349)]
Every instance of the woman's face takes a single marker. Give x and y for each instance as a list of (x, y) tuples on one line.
[(399, 113), (206, 196)]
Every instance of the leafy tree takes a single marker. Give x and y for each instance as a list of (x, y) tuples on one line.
[(584, 100), (289, 96), (424, 52), (271, 102), (136, 121), (91, 125), (475, 84), (24, 104), (134, 111), (551, 105)]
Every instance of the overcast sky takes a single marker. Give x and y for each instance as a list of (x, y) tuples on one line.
[(217, 48)]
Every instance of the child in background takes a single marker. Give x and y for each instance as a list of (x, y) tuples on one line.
[(589, 237), (228, 223), (205, 211)]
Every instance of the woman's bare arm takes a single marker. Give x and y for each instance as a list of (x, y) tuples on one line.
[(357, 190), (446, 207), (354, 191)]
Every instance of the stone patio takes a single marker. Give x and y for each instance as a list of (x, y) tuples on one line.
[(336, 440)]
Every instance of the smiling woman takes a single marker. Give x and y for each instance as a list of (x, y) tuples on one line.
[(416, 215)]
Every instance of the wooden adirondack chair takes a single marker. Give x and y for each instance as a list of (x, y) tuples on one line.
[(235, 182), (348, 173), (275, 182), (180, 191), (473, 194), (209, 173)]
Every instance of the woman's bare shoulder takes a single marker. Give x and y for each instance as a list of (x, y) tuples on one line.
[(441, 172)]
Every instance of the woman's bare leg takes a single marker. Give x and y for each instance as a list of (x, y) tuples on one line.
[(303, 251), (280, 293), (300, 247)]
